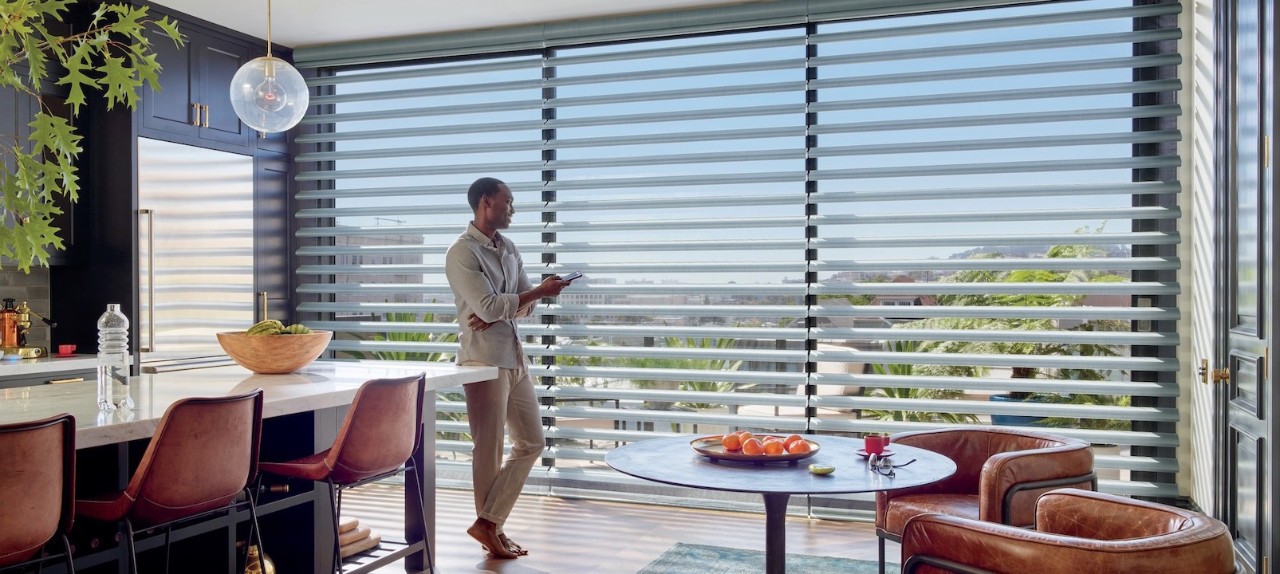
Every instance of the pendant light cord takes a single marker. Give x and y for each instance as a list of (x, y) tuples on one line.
[(268, 28)]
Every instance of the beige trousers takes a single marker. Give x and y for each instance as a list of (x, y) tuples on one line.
[(508, 401)]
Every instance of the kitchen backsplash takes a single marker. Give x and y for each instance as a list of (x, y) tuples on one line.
[(34, 289)]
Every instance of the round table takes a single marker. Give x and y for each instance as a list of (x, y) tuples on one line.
[(671, 460)]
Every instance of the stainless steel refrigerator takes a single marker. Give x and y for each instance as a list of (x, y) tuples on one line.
[(195, 253)]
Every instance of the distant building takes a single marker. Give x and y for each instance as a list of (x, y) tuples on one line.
[(379, 259)]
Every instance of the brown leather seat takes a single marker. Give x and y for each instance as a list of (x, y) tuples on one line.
[(202, 457), (1076, 531), (379, 435), (999, 474), (38, 489)]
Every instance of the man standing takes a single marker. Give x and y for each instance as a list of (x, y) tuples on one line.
[(491, 290)]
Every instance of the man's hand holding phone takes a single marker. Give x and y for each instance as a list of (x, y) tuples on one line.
[(571, 276)]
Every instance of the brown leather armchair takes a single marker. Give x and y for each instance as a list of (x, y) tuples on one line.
[(1076, 531), (999, 474)]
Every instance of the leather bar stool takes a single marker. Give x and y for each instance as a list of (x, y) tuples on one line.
[(201, 459), (378, 436), (38, 490)]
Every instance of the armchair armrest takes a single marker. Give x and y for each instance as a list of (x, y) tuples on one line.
[(981, 547), (975, 547), (1073, 512), (1113, 534), (1011, 481)]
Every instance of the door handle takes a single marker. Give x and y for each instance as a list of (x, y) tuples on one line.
[(195, 114), (205, 123), (71, 380), (1208, 375), (151, 280)]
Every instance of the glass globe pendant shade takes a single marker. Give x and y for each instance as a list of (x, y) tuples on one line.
[(269, 95)]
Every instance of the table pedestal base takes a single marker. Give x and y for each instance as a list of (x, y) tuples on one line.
[(775, 533)]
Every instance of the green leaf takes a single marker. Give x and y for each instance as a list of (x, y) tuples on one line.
[(120, 85), (111, 55)]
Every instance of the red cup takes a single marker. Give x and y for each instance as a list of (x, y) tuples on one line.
[(876, 444), (66, 349)]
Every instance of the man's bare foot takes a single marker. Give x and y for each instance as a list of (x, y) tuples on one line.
[(486, 533), (511, 545)]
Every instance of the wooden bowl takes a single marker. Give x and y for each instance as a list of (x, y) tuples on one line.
[(274, 354)]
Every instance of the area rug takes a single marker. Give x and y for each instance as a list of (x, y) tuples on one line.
[(698, 559)]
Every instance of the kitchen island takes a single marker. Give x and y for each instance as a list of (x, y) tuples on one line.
[(301, 412)]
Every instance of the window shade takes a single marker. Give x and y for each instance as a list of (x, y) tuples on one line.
[(866, 222)]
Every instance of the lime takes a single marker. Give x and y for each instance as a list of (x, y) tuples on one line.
[(821, 468)]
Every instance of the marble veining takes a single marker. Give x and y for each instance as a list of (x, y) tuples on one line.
[(320, 385)]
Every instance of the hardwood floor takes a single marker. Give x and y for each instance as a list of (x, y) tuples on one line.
[(569, 536)]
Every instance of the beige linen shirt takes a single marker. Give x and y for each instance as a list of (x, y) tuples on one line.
[(487, 279)]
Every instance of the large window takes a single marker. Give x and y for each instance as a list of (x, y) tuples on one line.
[(870, 223)]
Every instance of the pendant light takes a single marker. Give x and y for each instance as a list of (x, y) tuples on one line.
[(267, 93)]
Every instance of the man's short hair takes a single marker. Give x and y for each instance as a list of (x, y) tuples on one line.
[(482, 188)]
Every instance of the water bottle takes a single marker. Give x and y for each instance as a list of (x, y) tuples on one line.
[(113, 360)]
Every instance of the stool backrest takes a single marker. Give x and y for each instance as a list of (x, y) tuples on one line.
[(37, 492), (202, 455), (381, 431)]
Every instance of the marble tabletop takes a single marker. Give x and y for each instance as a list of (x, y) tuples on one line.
[(320, 385)]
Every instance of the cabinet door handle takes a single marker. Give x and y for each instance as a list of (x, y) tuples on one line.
[(71, 380), (205, 123), (195, 114)]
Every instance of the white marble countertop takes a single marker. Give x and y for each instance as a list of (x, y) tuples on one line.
[(320, 385), (49, 364)]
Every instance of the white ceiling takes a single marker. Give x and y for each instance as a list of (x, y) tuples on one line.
[(299, 23)]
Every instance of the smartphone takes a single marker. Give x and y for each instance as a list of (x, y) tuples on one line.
[(571, 276)]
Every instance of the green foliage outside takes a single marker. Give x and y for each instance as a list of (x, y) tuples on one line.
[(708, 364), (906, 370), (112, 56), (1027, 324)]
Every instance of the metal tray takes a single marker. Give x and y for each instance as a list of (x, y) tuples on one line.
[(709, 446)]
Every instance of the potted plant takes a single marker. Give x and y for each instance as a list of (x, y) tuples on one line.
[(111, 54)]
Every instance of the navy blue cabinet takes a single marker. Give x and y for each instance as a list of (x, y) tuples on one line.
[(194, 103)]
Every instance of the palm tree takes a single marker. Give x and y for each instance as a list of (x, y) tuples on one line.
[(709, 364), (428, 356), (906, 370)]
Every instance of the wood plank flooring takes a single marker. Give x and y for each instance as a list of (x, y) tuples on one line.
[(570, 536)]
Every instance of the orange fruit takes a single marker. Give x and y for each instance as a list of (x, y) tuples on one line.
[(793, 438), (731, 442), (774, 448), (743, 435), (799, 447), (752, 447), (770, 438)]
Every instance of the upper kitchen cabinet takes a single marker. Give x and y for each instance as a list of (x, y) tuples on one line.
[(194, 103)]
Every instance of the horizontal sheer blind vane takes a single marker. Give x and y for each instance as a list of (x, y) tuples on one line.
[(1027, 94), (996, 47), (1137, 388), (1077, 313), (1131, 264), (1030, 190), (1012, 215)]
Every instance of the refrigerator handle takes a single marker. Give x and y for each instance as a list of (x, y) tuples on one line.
[(150, 310)]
